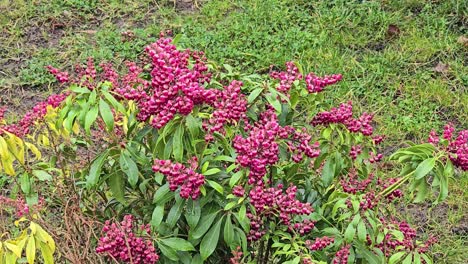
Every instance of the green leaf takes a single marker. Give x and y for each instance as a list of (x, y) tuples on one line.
[(228, 231), (211, 171), (178, 143), (90, 118), (349, 233), (106, 114), (242, 213), (178, 244), (204, 225), (175, 212), (168, 252), (396, 257), (361, 231), (193, 124), (210, 240), (158, 215), (216, 186), (129, 167), (426, 259), (95, 169), (42, 175), (408, 259), (424, 168), (117, 186), (163, 195), (111, 99), (235, 178), (273, 100), (328, 172), (193, 213), (79, 90), (254, 94)]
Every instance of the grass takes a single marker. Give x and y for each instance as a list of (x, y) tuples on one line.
[(403, 59)]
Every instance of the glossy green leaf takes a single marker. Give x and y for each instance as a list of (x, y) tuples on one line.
[(424, 168), (254, 94), (129, 167), (203, 225), (178, 244), (235, 178), (228, 231), (117, 186), (210, 240), (193, 213), (157, 216), (106, 114), (216, 186), (349, 233), (178, 143), (90, 119), (95, 169), (175, 212)]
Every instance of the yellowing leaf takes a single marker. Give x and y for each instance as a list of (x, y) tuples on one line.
[(47, 253), (43, 236), (13, 248), (31, 250), (34, 150)]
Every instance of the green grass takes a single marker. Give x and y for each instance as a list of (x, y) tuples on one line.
[(393, 74)]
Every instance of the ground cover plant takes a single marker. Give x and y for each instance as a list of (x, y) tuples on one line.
[(401, 61), (189, 150)]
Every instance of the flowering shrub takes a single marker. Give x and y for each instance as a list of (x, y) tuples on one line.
[(214, 164)]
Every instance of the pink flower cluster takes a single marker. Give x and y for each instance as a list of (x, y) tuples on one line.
[(238, 191), (237, 256), (303, 227), (316, 84), (320, 243), (341, 257), (299, 144), (179, 175), (287, 77), (391, 243), (24, 125), (384, 184), (20, 206), (230, 107), (122, 244), (269, 202), (457, 148), (344, 115), (59, 75), (259, 149), (352, 184), (355, 151), (176, 87)]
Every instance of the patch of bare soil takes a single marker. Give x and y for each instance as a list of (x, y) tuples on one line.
[(424, 214)]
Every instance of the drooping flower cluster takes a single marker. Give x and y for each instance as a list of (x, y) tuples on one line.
[(259, 149), (19, 206), (392, 243), (238, 191), (269, 202), (352, 184), (316, 84), (355, 151), (320, 243), (59, 75), (303, 227), (236, 256), (229, 108), (344, 115), (122, 243), (299, 144), (24, 125), (176, 87), (341, 257), (178, 175), (287, 77), (457, 148)]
